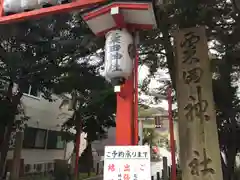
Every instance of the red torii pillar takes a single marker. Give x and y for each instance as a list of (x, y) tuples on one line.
[(133, 16), (127, 100), (38, 13)]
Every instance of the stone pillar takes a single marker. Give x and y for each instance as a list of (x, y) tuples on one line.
[(199, 146)]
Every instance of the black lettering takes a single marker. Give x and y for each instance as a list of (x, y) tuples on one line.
[(189, 48), (115, 47), (198, 166), (193, 75)]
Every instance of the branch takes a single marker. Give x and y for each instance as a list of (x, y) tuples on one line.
[(9, 91)]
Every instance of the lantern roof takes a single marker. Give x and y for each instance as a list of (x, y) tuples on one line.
[(133, 15)]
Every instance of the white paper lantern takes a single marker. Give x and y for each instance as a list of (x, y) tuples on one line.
[(119, 56), (49, 2), (16, 6), (26, 4), (12, 6)]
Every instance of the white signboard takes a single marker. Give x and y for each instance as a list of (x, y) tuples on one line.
[(127, 163)]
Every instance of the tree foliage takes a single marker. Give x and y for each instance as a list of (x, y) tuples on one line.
[(51, 55), (94, 114), (45, 53), (221, 20)]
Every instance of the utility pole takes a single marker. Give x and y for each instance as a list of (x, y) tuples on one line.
[(77, 143), (73, 106), (15, 166)]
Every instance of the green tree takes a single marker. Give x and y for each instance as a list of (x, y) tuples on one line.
[(41, 53), (94, 114), (222, 25), (157, 50), (149, 136)]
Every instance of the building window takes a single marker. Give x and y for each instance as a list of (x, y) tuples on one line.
[(34, 138), (158, 122), (31, 90), (40, 138), (55, 140), (29, 137), (37, 138)]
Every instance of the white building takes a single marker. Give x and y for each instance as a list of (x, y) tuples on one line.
[(99, 146), (42, 140)]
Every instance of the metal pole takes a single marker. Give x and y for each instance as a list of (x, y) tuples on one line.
[(77, 154), (136, 90), (72, 106), (16, 162), (78, 141), (172, 142), (140, 132)]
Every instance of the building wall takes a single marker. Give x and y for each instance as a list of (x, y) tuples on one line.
[(48, 116), (110, 140), (35, 156), (44, 115)]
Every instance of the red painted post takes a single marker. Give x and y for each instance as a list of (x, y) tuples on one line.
[(136, 98), (1, 8), (124, 114), (171, 129), (127, 110)]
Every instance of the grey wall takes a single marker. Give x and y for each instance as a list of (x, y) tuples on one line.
[(110, 140)]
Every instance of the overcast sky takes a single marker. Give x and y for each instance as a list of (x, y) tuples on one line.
[(143, 72)]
